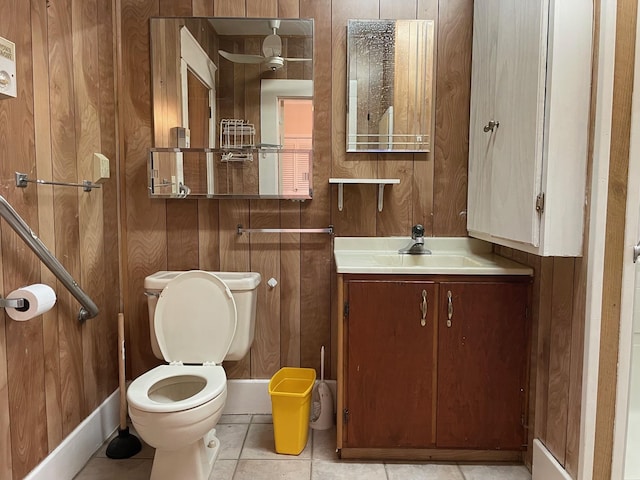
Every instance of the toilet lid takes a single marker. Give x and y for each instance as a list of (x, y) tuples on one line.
[(195, 319)]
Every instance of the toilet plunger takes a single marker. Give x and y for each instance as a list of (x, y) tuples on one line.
[(126, 444)]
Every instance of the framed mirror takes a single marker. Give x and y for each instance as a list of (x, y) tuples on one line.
[(232, 107), (389, 85)]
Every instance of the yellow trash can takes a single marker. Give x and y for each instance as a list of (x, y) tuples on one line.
[(290, 391)]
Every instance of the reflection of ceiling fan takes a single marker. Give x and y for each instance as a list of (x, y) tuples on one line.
[(271, 51)]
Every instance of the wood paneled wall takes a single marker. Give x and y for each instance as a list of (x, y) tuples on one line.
[(54, 371), (295, 318)]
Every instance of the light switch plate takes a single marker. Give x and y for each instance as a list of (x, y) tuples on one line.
[(101, 171)]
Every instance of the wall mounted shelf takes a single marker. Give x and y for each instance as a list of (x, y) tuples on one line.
[(381, 182)]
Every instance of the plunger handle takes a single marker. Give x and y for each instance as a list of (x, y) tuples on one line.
[(121, 374)]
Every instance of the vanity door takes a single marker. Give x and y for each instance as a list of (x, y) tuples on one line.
[(482, 360), (390, 336)]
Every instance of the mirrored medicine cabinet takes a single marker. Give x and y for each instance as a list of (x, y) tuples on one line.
[(232, 108), (389, 85)]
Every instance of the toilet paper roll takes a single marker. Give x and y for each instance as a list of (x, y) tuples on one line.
[(39, 298)]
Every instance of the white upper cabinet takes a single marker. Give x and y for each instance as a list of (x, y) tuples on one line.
[(530, 95)]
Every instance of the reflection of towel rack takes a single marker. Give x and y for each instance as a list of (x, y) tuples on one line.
[(89, 308), (328, 230)]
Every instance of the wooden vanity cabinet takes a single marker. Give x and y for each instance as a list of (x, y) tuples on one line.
[(390, 387), (410, 386), (482, 358)]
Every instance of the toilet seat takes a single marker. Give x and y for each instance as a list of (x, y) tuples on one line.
[(138, 394), (195, 319)]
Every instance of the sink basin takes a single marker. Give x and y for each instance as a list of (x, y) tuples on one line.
[(451, 256), (426, 261)]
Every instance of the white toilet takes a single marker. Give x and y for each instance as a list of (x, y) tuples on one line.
[(198, 320)]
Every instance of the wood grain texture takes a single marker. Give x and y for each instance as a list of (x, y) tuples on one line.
[(626, 28), (452, 117), (144, 220), (560, 357), (316, 328), (46, 231), (26, 410)]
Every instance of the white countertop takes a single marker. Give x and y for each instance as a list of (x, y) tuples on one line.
[(450, 256)]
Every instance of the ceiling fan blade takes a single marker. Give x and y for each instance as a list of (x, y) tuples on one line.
[(298, 59), (272, 46), (241, 57)]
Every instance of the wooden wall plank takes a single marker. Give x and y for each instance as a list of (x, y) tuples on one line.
[(453, 78), (112, 299), (289, 9), (144, 219), (202, 8), (290, 258), (316, 256), (360, 201), (90, 223), (574, 401), (65, 199), (560, 356), (46, 229), (5, 421), (542, 308), (24, 354)]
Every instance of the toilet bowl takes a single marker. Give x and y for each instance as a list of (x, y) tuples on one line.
[(175, 407)]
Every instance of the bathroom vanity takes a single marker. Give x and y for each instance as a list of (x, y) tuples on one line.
[(432, 351)]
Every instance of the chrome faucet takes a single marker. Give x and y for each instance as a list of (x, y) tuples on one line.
[(416, 245)]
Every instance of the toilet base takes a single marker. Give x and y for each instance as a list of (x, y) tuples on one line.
[(194, 461)]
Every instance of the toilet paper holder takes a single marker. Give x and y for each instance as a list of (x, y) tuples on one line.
[(11, 302)]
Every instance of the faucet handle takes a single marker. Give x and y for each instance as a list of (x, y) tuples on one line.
[(417, 231)]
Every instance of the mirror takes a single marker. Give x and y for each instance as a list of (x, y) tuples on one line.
[(232, 107), (390, 85)]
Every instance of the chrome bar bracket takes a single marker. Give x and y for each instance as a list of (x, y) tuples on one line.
[(11, 302), (636, 252)]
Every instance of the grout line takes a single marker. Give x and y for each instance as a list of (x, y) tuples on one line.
[(464, 477)]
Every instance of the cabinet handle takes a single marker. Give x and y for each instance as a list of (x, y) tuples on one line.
[(423, 308), (489, 127), (449, 308)]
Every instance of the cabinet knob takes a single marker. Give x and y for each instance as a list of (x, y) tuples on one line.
[(423, 308), (491, 126)]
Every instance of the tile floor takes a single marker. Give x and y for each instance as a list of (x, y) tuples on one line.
[(247, 453)]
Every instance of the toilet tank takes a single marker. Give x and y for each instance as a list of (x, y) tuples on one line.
[(243, 286)]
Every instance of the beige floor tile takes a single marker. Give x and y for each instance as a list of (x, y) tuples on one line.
[(271, 469), (324, 444), (223, 469), (397, 471), (262, 419), (235, 418), (323, 470), (260, 444), (107, 469), (231, 436), (495, 472)]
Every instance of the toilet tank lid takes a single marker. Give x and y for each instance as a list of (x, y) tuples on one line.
[(236, 281)]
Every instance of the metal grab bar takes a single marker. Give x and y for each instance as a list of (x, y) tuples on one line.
[(328, 230), (89, 308)]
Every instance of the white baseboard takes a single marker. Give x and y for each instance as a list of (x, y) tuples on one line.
[(63, 463), (72, 454), (545, 466), (252, 396)]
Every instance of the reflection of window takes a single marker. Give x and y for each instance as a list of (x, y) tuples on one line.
[(295, 127)]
